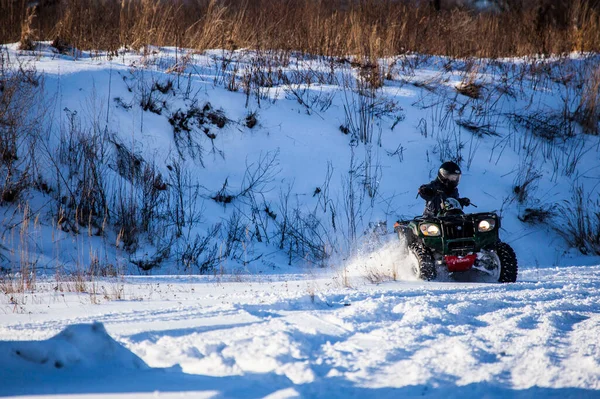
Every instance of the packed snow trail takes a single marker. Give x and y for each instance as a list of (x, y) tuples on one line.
[(316, 338)]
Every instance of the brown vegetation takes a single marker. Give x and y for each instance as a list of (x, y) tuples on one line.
[(367, 28)]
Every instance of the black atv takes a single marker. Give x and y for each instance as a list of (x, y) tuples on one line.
[(460, 242)]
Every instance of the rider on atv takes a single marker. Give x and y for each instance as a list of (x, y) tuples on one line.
[(443, 187), (445, 237)]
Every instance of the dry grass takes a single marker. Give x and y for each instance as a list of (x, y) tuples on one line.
[(369, 29), (20, 86), (27, 33), (588, 112), (580, 222)]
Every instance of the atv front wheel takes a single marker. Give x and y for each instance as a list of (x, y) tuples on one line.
[(425, 268), (508, 263)]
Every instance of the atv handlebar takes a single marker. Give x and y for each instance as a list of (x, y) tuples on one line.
[(441, 193)]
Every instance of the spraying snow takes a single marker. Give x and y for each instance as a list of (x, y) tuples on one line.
[(383, 259)]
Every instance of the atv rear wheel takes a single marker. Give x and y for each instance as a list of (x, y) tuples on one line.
[(509, 267), (425, 268)]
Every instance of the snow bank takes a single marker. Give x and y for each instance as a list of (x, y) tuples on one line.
[(77, 347)]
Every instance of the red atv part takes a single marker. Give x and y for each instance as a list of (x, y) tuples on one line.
[(460, 263)]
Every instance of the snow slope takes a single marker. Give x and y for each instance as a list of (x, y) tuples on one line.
[(416, 120), (273, 318)]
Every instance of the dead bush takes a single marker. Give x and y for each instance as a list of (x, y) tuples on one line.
[(20, 124), (470, 89), (301, 233), (26, 42), (61, 45), (588, 112), (258, 177), (201, 253), (550, 126), (526, 183), (538, 215), (250, 121), (580, 222), (81, 168), (479, 130), (153, 261)]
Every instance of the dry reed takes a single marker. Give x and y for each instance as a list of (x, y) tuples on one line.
[(368, 29)]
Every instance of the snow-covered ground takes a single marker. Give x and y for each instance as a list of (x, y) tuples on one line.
[(288, 307), (295, 336)]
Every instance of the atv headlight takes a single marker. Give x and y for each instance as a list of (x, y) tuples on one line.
[(430, 229), (486, 225)]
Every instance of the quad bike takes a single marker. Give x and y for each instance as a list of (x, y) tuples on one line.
[(459, 242)]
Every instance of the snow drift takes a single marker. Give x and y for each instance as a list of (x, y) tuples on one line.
[(78, 347)]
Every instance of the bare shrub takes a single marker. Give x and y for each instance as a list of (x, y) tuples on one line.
[(588, 112), (449, 145), (126, 216), (470, 89), (302, 234), (153, 261), (580, 222), (550, 126), (257, 178), (20, 273), (185, 135), (250, 121), (152, 188), (140, 198), (202, 252), (20, 125), (129, 165), (152, 98), (233, 238), (567, 157), (479, 130), (359, 109), (14, 183), (27, 33), (304, 86), (183, 216), (183, 210), (538, 215), (192, 124), (371, 74), (526, 181), (81, 171), (61, 45)]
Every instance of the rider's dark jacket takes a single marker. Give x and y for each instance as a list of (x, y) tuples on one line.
[(434, 202)]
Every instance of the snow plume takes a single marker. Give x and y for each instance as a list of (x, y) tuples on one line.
[(381, 258)]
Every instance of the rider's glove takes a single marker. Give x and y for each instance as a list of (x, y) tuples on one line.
[(464, 201), (426, 191)]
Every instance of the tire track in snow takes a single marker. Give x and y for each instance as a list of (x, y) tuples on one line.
[(115, 320), (398, 334)]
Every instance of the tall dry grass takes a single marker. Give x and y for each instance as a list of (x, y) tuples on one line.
[(367, 28)]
